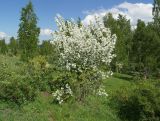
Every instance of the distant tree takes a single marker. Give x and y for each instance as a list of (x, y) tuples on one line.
[(145, 49), (13, 46), (3, 47), (122, 28), (46, 48), (28, 32), (79, 22), (123, 45), (110, 22), (156, 14)]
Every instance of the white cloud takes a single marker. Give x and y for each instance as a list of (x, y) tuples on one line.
[(3, 35), (46, 32), (131, 11)]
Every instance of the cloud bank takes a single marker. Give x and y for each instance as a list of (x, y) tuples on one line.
[(131, 11)]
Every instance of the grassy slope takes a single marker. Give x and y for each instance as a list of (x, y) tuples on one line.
[(95, 109)]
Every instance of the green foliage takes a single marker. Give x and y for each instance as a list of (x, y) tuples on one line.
[(86, 83), (82, 85), (14, 86), (140, 102), (79, 22), (122, 28), (28, 33), (46, 48), (43, 110), (145, 49), (60, 80), (13, 46), (40, 71), (3, 47)]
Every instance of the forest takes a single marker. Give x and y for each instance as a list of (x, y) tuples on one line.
[(104, 71)]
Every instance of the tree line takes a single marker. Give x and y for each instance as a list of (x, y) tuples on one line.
[(137, 50)]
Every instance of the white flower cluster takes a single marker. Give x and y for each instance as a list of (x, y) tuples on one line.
[(63, 93), (84, 47), (102, 92), (105, 75)]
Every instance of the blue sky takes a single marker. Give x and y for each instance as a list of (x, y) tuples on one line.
[(46, 10)]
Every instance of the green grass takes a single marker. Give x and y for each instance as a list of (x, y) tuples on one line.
[(118, 81), (12, 62), (42, 109)]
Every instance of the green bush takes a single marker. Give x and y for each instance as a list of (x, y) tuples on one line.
[(41, 72), (140, 104), (82, 85), (15, 87)]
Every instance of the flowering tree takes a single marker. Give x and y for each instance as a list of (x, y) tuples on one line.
[(83, 48)]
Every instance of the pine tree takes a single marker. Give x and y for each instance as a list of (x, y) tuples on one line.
[(28, 32), (13, 46)]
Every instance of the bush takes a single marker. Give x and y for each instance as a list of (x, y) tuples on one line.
[(40, 71), (60, 85), (140, 104), (83, 85), (15, 87)]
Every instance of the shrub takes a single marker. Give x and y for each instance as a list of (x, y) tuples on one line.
[(140, 104), (40, 71), (15, 87), (87, 83), (82, 50)]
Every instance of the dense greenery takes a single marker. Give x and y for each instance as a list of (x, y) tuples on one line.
[(141, 102), (65, 79), (122, 28)]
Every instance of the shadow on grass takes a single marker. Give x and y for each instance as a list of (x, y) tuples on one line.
[(123, 77)]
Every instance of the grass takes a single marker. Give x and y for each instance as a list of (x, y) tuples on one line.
[(42, 109), (95, 108), (118, 81)]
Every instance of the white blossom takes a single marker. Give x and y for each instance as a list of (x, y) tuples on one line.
[(84, 47), (102, 92), (61, 93)]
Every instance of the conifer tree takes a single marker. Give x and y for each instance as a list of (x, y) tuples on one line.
[(28, 32), (13, 46)]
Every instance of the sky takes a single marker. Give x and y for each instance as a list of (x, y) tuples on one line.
[(46, 10)]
